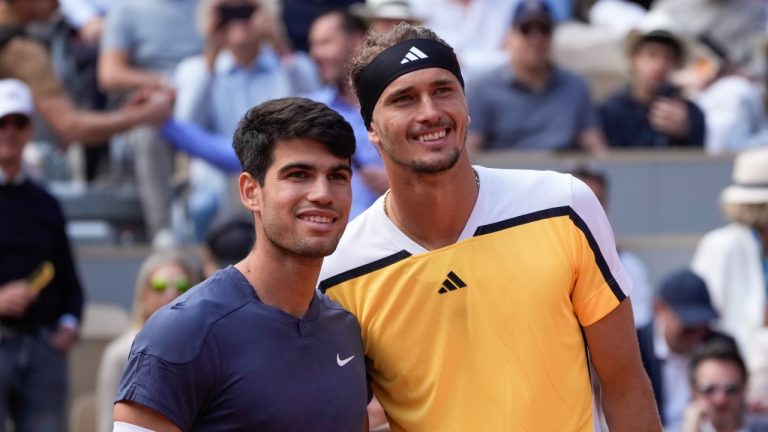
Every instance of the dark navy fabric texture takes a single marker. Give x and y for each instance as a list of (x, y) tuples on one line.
[(626, 124), (217, 359)]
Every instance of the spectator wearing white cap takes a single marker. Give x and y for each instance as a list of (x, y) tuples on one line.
[(40, 296), (733, 259)]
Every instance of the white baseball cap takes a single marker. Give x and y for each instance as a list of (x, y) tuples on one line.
[(15, 98)]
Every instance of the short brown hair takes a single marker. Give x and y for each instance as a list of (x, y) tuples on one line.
[(375, 42)]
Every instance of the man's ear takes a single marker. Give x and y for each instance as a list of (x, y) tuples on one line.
[(250, 192), (373, 136)]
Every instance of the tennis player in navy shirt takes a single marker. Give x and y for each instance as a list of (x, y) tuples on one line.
[(255, 347)]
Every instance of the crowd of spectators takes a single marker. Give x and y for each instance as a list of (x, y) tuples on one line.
[(177, 75), (159, 85)]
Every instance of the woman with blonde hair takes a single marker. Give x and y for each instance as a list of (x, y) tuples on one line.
[(163, 276)]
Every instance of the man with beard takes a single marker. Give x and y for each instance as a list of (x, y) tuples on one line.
[(478, 291), (254, 347)]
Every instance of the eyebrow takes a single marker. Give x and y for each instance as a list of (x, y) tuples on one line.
[(436, 83), (309, 167)]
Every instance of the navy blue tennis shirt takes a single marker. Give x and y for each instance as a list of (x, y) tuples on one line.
[(218, 359)]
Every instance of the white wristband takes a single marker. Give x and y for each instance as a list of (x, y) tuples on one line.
[(127, 427)]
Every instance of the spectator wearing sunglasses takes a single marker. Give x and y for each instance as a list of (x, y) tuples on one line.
[(718, 378), (683, 319), (531, 103), (40, 310), (163, 276)]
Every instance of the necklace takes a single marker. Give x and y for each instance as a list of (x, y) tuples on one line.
[(394, 218)]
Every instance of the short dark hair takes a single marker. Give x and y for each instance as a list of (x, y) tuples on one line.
[(376, 42), (350, 23), (284, 119), (722, 348)]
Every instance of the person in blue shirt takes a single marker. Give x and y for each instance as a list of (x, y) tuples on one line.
[(333, 38), (243, 66), (255, 346)]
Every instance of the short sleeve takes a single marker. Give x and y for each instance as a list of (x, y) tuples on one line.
[(601, 283), (118, 33), (178, 391), (28, 61)]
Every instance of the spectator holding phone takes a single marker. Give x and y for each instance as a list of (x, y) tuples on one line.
[(245, 63), (39, 316), (650, 112)]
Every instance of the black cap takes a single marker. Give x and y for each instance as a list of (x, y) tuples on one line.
[(531, 10), (231, 240), (686, 293)]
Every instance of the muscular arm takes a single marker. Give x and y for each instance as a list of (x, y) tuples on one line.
[(627, 396), (71, 124), (139, 415), (116, 73)]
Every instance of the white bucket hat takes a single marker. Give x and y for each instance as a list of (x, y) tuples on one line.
[(385, 9), (750, 178)]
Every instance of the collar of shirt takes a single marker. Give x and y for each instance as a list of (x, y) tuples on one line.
[(5, 181), (509, 77), (266, 61)]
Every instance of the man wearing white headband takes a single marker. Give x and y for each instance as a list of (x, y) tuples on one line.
[(482, 294)]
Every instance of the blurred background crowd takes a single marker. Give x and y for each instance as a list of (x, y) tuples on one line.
[(117, 187)]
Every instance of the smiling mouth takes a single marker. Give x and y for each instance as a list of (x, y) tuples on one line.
[(433, 136), (318, 219)]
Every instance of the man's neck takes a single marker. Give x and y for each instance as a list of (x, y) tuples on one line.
[(432, 209), (532, 77), (281, 280), (244, 57), (642, 93)]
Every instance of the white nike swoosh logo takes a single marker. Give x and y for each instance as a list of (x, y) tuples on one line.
[(341, 362)]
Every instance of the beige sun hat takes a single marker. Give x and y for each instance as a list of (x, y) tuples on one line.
[(750, 178), (399, 10)]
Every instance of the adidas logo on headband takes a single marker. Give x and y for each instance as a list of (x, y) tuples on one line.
[(412, 55)]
